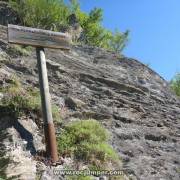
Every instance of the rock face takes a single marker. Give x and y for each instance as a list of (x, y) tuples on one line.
[(7, 15), (130, 99), (16, 137)]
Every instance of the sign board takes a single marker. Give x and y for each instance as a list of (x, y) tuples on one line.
[(42, 39), (38, 37)]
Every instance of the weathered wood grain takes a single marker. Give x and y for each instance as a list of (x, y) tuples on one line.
[(38, 37), (49, 130)]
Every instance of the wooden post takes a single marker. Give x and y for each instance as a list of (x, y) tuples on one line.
[(49, 129), (42, 38)]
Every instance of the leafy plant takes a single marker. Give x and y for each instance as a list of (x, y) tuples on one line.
[(118, 41), (96, 35), (46, 14), (87, 140), (19, 50), (175, 84), (56, 113), (18, 101), (93, 33), (54, 14)]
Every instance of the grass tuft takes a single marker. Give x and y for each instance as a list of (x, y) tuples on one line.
[(175, 84), (18, 101), (19, 50), (86, 140)]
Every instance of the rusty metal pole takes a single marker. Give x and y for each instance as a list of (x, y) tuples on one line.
[(49, 130)]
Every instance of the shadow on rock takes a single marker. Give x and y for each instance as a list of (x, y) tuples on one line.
[(10, 122)]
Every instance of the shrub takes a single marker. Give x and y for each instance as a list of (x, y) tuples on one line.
[(175, 84), (18, 101), (46, 14), (118, 41), (19, 50), (53, 15), (95, 34), (87, 140), (56, 113)]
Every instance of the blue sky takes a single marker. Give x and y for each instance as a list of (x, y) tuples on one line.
[(154, 27)]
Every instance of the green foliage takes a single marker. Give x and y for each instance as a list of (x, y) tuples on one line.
[(53, 15), (118, 41), (175, 84), (96, 35), (79, 178), (74, 6), (18, 101), (46, 14), (19, 50), (96, 15), (3, 165), (56, 113), (87, 140)]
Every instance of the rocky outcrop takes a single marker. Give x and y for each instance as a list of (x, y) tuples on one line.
[(18, 143), (130, 99), (7, 15)]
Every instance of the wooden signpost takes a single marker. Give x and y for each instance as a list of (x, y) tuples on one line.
[(41, 39)]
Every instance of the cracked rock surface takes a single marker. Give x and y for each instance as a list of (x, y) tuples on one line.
[(130, 99)]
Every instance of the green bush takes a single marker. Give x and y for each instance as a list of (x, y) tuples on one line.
[(118, 41), (18, 101), (87, 140), (46, 14), (53, 15), (96, 35), (19, 50), (56, 113), (175, 84)]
